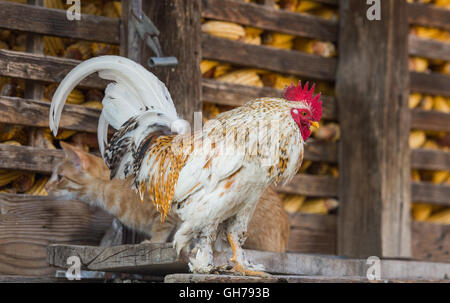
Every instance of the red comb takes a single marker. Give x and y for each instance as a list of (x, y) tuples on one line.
[(297, 93)]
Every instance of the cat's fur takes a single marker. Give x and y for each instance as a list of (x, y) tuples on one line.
[(85, 177)]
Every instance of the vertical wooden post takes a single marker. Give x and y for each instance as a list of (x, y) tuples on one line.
[(372, 92), (180, 27)]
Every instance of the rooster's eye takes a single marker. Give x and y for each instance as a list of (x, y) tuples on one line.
[(303, 114)]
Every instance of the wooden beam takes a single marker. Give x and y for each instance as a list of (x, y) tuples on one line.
[(311, 233), (28, 224), (430, 159), (154, 258), (53, 22), (431, 193), (270, 58), (29, 158), (431, 242), (180, 26), (430, 83), (429, 48), (35, 113), (41, 68), (223, 93), (428, 15), (224, 278), (430, 120), (267, 18), (374, 160), (311, 185)]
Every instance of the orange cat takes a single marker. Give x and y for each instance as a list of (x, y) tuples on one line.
[(85, 177)]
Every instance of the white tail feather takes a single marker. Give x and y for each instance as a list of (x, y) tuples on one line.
[(135, 90)]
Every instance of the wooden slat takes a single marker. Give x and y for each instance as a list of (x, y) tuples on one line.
[(29, 158), (372, 86), (54, 22), (430, 159), (310, 185), (269, 19), (433, 83), (430, 120), (311, 233), (41, 68), (321, 151), (430, 193), (431, 242), (223, 93), (28, 224), (428, 15), (35, 113), (149, 258), (270, 58), (429, 48)]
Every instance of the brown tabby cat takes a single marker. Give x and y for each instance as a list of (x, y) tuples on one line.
[(85, 177)]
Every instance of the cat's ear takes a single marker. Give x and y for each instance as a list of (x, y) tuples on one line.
[(78, 157)]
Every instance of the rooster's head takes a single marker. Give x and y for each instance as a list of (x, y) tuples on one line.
[(309, 109)]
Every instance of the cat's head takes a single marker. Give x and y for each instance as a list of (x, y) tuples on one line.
[(76, 174)]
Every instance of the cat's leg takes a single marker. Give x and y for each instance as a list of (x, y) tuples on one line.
[(161, 231), (113, 235)]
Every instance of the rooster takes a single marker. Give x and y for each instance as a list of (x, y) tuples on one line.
[(211, 179)]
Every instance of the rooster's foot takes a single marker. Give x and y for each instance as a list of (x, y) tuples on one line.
[(238, 267)]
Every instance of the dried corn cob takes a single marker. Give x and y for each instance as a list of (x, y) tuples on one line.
[(253, 35), (278, 81), (91, 9), (58, 4), (414, 100), (418, 64), (10, 132), (207, 65), (93, 104), (324, 12), (441, 104), (279, 40), (110, 9), (79, 51), (427, 103), (53, 46), (430, 144), (293, 203), (415, 176), (243, 77), (319, 206), (210, 111), (221, 69), (38, 187), (24, 182), (224, 29), (75, 97), (442, 217), (440, 176), (304, 6), (416, 139), (315, 47), (8, 176), (421, 211)]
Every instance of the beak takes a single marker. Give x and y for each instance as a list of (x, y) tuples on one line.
[(315, 124)]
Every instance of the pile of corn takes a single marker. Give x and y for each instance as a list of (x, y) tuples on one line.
[(421, 211), (12, 181)]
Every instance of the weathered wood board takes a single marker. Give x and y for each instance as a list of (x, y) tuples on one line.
[(154, 258), (28, 224)]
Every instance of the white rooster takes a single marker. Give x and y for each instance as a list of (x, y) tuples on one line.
[(211, 179)]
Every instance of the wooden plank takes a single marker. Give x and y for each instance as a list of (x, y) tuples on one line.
[(156, 258), (430, 159), (269, 19), (29, 158), (53, 22), (430, 83), (211, 278), (35, 113), (34, 279), (430, 120), (428, 15), (269, 58), (311, 185), (180, 26), (429, 48), (317, 234), (28, 224), (223, 93), (431, 242), (430, 193), (311, 233), (374, 160), (41, 68)]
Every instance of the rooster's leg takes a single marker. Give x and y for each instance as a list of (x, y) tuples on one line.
[(238, 259), (203, 261)]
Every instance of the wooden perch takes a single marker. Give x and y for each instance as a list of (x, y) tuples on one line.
[(161, 259)]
